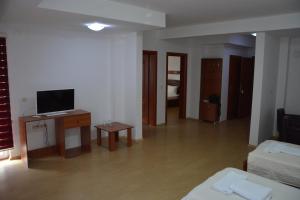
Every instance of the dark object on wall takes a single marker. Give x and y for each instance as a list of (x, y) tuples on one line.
[(288, 127)]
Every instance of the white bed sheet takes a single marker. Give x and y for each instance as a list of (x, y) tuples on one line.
[(204, 191), (280, 167), (172, 91)]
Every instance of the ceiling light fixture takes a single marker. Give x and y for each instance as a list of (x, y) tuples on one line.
[(96, 26), (254, 34)]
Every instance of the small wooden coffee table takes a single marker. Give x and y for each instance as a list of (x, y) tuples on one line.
[(113, 134)]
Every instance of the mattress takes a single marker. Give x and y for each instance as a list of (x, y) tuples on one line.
[(280, 167), (204, 191), (172, 91)]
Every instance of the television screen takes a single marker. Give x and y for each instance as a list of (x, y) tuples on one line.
[(55, 100)]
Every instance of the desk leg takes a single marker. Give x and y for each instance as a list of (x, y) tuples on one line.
[(99, 140), (23, 142), (117, 136), (129, 137), (111, 141), (60, 137), (85, 133)]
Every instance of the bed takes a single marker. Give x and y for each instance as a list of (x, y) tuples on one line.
[(205, 190), (275, 165), (173, 93)]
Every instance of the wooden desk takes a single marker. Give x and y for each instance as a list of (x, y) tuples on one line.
[(72, 119), (113, 134)]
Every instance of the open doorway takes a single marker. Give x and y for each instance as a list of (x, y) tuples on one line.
[(176, 84), (241, 72)]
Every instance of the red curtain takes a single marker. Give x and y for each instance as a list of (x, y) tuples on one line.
[(6, 137)]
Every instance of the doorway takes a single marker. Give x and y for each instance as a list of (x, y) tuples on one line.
[(149, 87), (210, 92), (176, 84), (241, 73)]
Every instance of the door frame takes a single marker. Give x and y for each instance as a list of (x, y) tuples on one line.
[(152, 98), (183, 84), (230, 99)]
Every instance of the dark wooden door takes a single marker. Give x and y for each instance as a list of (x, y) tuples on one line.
[(145, 89), (149, 87), (246, 87), (211, 81), (233, 86), (183, 86)]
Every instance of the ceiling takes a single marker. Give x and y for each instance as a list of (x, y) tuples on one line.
[(27, 12), (179, 12), (185, 12)]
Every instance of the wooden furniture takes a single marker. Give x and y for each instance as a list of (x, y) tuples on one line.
[(209, 112), (288, 126), (113, 134), (72, 119), (173, 72)]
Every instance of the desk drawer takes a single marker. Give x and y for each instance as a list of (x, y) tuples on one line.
[(77, 121)]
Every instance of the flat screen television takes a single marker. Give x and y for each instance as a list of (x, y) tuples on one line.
[(53, 101)]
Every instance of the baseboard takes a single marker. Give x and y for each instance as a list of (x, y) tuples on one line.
[(43, 152), (251, 146), (73, 152), (18, 157)]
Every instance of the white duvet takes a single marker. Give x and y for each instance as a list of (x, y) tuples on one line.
[(205, 190), (276, 160)]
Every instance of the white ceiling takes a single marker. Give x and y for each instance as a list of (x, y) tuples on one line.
[(185, 12), (27, 12), (179, 12)]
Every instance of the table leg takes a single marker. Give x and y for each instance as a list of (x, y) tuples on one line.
[(85, 132), (111, 141), (60, 137), (129, 137), (117, 136), (99, 140)]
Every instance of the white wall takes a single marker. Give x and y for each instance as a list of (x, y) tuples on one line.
[(173, 65), (264, 88), (292, 102), (41, 59), (126, 93)]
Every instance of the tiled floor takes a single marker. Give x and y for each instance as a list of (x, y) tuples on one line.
[(168, 163)]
